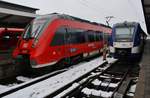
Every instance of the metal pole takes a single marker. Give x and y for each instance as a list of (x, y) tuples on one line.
[(108, 18)]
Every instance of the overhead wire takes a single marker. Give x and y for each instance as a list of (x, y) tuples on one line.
[(89, 7), (85, 3)]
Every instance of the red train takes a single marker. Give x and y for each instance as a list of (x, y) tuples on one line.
[(9, 38), (54, 38)]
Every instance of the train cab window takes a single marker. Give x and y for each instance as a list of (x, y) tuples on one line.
[(35, 28), (124, 33), (59, 36)]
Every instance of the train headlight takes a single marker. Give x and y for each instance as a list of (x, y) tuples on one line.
[(54, 52)]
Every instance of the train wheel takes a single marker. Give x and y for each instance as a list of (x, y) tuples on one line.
[(64, 62)]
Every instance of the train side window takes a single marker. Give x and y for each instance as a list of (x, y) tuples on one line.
[(105, 36), (76, 36), (98, 36), (86, 36), (58, 38), (91, 36), (101, 36), (72, 39), (80, 36)]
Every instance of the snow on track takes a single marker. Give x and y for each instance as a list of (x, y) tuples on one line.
[(22, 78), (2, 87), (28, 82), (50, 85)]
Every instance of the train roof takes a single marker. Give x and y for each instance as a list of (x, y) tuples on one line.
[(54, 16), (126, 23)]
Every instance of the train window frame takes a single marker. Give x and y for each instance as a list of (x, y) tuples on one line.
[(55, 41), (76, 36), (99, 35), (28, 33), (131, 35), (91, 36)]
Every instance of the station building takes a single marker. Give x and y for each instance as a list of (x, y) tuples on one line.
[(15, 15)]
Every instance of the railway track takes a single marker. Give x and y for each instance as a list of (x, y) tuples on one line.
[(87, 80), (20, 84), (99, 83), (12, 84), (22, 76), (73, 72)]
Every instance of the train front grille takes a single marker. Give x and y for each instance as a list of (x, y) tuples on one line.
[(123, 51)]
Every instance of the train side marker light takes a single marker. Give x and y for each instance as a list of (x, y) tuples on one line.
[(54, 52)]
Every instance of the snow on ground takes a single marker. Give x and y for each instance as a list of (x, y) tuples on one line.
[(132, 88), (105, 84), (96, 82), (2, 87), (86, 91), (95, 73), (50, 85), (95, 92), (148, 37), (67, 90), (23, 79), (113, 85), (12, 84), (15, 85), (106, 94), (111, 60), (89, 92), (106, 77), (130, 94), (98, 93)]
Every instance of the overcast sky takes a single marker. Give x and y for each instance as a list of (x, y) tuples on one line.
[(93, 10)]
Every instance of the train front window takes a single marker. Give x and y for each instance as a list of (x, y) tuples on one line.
[(35, 28), (124, 33)]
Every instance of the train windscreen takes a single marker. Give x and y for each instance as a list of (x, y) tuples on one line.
[(124, 33), (35, 28)]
